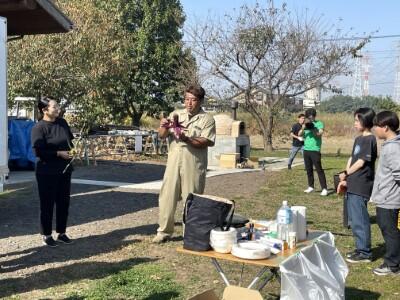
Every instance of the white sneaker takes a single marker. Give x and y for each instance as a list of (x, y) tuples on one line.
[(324, 192), (308, 190)]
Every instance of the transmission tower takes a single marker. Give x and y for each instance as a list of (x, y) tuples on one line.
[(361, 77), (365, 67), (396, 92), (356, 90)]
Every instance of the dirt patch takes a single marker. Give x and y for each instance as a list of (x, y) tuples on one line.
[(236, 185)]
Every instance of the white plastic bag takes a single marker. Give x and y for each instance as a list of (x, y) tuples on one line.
[(316, 272)]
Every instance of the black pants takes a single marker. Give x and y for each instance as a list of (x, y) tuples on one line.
[(54, 189), (313, 158), (387, 220)]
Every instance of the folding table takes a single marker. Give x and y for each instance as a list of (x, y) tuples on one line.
[(270, 264)]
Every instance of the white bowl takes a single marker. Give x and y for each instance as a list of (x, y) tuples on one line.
[(222, 241), (251, 250)]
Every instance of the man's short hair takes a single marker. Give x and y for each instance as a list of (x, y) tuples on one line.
[(387, 118), (366, 116), (310, 112), (300, 116), (196, 90)]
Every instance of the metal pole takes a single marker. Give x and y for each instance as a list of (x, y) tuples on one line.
[(220, 271), (3, 104), (234, 107), (258, 276)]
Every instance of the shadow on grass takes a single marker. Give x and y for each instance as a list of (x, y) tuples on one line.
[(155, 296), (162, 296), (20, 215), (131, 172), (378, 251), (82, 248), (354, 293), (66, 274), (372, 219)]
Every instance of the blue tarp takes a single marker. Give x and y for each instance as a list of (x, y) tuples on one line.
[(19, 144)]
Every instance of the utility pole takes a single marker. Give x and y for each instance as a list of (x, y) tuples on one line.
[(396, 91)]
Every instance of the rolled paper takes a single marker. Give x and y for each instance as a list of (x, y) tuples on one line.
[(301, 222)]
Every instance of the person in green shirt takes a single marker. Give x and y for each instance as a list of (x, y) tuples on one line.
[(312, 132)]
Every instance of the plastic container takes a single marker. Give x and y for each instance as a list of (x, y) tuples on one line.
[(222, 241), (292, 240), (284, 219)]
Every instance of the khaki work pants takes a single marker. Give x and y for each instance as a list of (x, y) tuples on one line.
[(185, 173)]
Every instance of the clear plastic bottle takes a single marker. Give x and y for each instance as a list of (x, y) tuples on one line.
[(284, 219)]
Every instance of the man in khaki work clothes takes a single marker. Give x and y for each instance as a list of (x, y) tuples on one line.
[(187, 158)]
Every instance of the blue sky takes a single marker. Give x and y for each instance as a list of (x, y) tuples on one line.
[(363, 16)]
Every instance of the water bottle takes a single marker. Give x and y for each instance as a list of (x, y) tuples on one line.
[(284, 220)]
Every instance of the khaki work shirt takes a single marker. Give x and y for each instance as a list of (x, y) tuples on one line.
[(200, 125)]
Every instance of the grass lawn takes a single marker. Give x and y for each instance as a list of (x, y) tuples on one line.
[(326, 214), (148, 281)]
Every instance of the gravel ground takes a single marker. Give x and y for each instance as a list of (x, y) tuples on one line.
[(104, 223)]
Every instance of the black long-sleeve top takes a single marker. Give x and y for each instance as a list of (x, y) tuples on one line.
[(48, 138)]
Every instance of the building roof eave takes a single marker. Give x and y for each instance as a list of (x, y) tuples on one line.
[(26, 17)]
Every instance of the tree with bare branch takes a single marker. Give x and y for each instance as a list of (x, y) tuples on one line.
[(272, 51)]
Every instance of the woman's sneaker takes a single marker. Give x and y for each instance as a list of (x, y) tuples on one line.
[(324, 192), (309, 190), (63, 238), (384, 269), (49, 241)]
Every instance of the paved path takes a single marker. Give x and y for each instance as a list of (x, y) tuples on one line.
[(272, 164)]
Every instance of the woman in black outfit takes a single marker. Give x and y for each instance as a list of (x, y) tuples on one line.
[(52, 141)]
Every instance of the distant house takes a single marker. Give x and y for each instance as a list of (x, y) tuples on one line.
[(291, 104), (312, 98), (260, 97)]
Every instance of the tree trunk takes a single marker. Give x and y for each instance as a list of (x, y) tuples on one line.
[(136, 119), (267, 133)]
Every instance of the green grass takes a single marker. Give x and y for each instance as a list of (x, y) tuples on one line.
[(144, 282), (261, 153), (325, 214)]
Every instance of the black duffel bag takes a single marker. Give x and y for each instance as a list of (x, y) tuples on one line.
[(203, 213), (238, 221)]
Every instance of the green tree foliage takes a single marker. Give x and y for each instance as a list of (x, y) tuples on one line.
[(155, 59), (339, 103), (123, 58), (69, 66)]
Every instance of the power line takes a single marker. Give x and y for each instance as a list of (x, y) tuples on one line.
[(356, 38), (363, 38), (377, 83), (377, 51), (396, 90)]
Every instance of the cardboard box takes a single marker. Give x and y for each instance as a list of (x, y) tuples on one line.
[(231, 292), (207, 295), (228, 160)]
